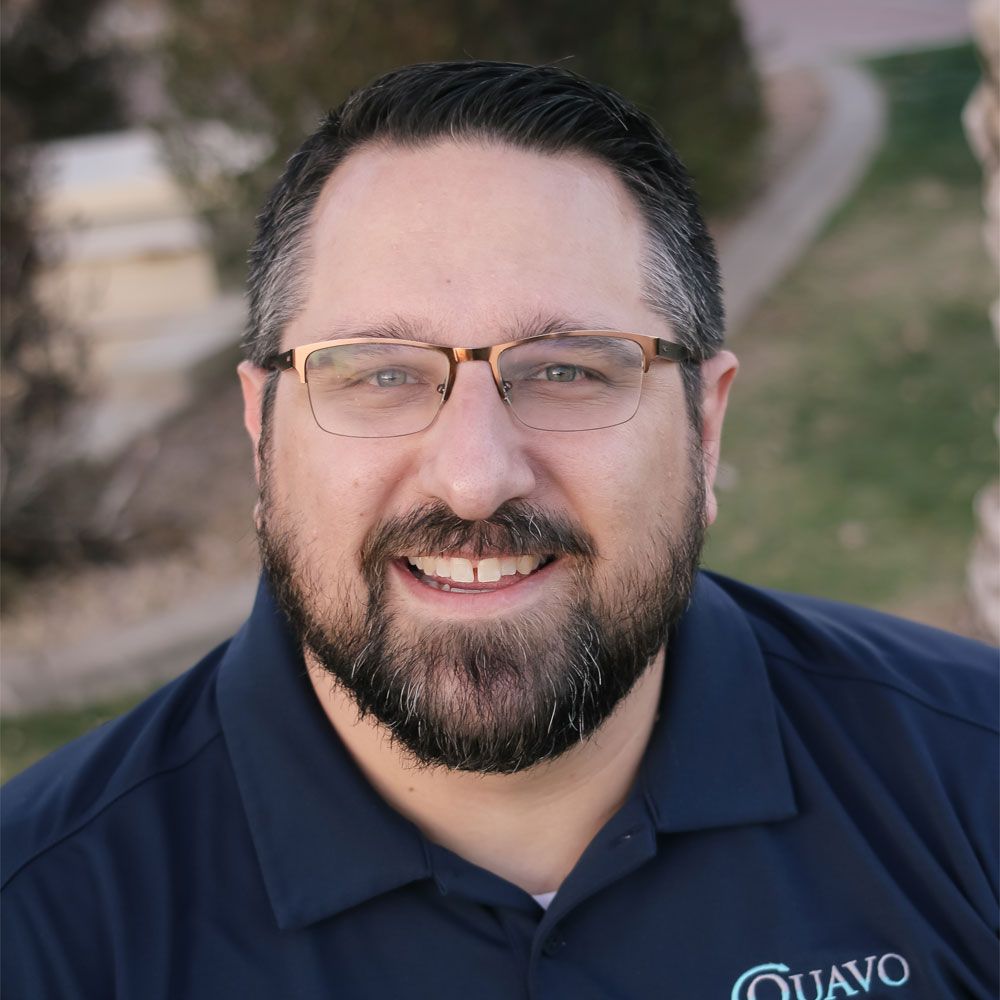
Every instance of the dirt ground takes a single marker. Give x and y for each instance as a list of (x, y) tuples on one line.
[(187, 523)]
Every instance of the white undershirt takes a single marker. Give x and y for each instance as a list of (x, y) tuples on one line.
[(544, 898)]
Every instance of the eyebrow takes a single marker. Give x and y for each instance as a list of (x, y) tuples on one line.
[(393, 328), (400, 328), (550, 323)]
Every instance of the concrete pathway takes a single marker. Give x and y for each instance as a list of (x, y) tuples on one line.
[(787, 33), (133, 658), (773, 235), (823, 37), (754, 255)]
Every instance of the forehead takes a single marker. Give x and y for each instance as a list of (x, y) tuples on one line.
[(457, 238)]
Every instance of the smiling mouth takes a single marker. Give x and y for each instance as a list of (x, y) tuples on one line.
[(456, 574)]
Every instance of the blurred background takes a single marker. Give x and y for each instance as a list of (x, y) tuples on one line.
[(846, 156)]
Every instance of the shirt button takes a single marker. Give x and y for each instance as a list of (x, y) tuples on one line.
[(553, 946)]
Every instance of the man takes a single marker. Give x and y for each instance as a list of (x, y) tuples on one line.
[(487, 733)]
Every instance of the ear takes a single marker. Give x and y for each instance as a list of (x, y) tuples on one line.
[(252, 381), (717, 374)]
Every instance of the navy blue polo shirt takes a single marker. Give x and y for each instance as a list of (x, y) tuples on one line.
[(815, 818)]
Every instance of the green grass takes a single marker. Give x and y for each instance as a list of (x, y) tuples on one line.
[(926, 92), (25, 739), (860, 427)]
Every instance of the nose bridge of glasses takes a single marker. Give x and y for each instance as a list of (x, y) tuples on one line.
[(487, 354)]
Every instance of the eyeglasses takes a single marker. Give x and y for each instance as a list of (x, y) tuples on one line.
[(371, 387)]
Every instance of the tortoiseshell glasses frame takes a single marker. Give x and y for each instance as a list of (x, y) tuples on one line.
[(652, 348)]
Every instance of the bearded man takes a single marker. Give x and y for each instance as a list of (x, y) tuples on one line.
[(488, 732)]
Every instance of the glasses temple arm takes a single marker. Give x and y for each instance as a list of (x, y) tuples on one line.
[(673, 351), (279, 362)]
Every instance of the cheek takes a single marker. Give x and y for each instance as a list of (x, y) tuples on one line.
[(335, 489), (623, 481)]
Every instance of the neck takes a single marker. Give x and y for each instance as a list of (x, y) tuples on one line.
[(530, 828)]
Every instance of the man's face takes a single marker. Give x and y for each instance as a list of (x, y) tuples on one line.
[(468, 245)]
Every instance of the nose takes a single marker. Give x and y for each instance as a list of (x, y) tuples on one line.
[(474, 456)]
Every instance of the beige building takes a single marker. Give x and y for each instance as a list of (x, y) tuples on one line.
[(132, 271)]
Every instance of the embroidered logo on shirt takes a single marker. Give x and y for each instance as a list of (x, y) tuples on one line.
[(776, 981)]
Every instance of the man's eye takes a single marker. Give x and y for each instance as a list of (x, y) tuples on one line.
[(562, 373), (389, 378)]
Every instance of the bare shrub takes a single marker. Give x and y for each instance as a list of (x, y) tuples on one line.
[(268, 70)]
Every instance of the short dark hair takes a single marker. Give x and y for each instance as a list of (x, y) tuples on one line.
[(544, 109)]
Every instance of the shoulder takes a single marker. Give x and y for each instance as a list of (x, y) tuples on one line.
[(894, 722), (831, 644), (63, 796)]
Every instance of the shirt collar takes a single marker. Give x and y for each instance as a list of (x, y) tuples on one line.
[(324, 838), (326, 841), (715, 757)]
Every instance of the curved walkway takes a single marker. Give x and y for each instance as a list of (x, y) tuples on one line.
[(777, 230)]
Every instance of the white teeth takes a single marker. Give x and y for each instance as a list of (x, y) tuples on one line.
[(461, 570), (527, 564), (488, 570)]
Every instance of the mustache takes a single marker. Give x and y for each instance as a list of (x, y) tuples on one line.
[(515, 528)]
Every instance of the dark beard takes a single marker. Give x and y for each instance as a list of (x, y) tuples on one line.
[(502, 695)]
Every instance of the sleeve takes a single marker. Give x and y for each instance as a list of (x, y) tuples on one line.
[(53, 945)]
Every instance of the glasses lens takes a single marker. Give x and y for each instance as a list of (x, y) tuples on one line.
[(573, 383), (375, 390)]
